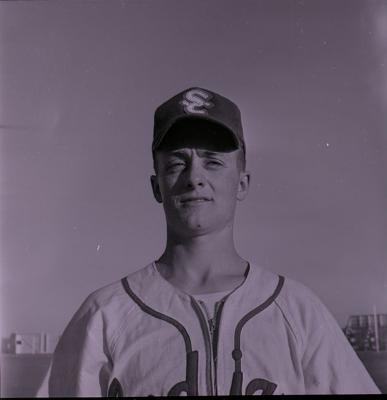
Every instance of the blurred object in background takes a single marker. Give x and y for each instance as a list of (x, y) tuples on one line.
[(29, 343), (367, 332), (24, 362)]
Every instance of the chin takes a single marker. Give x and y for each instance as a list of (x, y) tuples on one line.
[(195, 233), (190, 228), (199, 228)]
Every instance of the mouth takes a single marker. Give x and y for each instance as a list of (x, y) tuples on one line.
[(194, 200)]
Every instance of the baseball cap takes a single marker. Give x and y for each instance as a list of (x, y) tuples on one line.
[(199, 107)]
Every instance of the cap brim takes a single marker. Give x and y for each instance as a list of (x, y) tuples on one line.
[(188, 129)]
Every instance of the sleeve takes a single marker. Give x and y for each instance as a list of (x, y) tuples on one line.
[(81, 362), (329, 363)]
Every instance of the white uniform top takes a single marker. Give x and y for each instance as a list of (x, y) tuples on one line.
[(142, 336)]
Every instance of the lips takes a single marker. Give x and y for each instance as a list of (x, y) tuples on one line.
[(192, 200)]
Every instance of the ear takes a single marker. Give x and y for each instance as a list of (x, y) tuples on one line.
[(156, 189), (243, 186)]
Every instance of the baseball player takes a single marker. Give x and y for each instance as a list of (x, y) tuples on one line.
[(201, 320)]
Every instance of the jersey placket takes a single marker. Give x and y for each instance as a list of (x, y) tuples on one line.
[(210, 329)]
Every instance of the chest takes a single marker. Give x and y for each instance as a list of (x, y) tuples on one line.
[(196, 357)]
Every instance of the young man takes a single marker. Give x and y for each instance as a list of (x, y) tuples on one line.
[(201, 320)]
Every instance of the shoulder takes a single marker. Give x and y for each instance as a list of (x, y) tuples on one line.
[(305, 312), (300, 307), (99, 319), (108, 298), (284, 290), (297, 295), (108, 305)]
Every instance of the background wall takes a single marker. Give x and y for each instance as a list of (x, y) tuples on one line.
[(79, 84)]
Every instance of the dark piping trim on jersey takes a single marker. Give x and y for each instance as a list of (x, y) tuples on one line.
[(156, 314), (190, 385), (251, 314), (237, 353)]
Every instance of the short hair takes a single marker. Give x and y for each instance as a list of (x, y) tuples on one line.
[(241, 159)]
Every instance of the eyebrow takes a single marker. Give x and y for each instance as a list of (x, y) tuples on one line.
[(175, 153), (209, 153)]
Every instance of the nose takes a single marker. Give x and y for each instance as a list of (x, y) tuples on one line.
[(195, 177)]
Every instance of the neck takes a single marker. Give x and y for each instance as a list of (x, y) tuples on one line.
[(202, 263)]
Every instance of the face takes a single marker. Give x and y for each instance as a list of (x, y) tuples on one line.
[(199, 188)]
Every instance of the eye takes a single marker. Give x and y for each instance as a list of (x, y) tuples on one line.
[(175, 166), (214, 163)]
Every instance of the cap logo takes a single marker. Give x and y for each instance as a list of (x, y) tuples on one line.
[(196, 101)]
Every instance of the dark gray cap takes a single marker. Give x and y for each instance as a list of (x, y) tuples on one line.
[(198, 104)]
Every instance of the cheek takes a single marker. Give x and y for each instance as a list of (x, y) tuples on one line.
[(167, 190), (228, 191), (166, 185)]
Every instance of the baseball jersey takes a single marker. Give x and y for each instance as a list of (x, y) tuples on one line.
[(142, 336)]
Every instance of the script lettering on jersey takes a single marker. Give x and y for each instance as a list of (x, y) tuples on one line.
[(115, 389), (260, 385), (189, 387), (255, 386), (196, 101)]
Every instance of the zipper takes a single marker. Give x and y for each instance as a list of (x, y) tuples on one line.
[(207, 345), (215, 337), (210, 329)]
